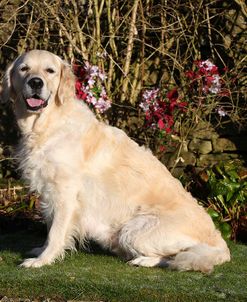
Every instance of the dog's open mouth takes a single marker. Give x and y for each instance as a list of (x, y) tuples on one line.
[(36, 102)]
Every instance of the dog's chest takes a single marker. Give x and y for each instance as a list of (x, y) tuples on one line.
[(41, 163), (35, 167)]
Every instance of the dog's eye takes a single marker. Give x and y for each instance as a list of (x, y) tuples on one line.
[(50, 70), (24, 68)]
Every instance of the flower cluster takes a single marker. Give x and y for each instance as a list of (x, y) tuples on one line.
[(208, 73), (161, 108), (206, 80), (90, 86)]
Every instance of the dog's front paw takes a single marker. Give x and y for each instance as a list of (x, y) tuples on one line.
[(34, 262)]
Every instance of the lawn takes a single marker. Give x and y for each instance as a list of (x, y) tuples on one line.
[(98, 276)]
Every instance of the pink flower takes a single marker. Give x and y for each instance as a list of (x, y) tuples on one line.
[(172, 95), (161, 124), (190, 74)]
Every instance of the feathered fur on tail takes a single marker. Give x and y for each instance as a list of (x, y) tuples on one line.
[(200, 257)]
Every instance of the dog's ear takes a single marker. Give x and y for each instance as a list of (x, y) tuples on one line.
[(66, 89), (6, 89)]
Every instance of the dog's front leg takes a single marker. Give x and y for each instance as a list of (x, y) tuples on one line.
[(59, 234)]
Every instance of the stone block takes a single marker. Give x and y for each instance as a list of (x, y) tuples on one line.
[(204, 130), (200, 146), (207, 160), (223, 144), (177, 172), (185, 158)]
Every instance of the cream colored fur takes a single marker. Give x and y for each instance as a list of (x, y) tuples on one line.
[(96, 183)]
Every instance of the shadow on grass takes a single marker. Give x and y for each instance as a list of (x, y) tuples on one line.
[(20, 235)]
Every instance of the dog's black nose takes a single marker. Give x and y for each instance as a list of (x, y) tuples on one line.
[(35, 83)]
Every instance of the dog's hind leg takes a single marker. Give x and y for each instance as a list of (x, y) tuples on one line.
[(146, 241), (134, 242), (150, 241)]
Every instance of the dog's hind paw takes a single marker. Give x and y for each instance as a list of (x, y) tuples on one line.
[(148, 261)]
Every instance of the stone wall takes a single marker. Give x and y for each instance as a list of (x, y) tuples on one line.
[(205, 147)]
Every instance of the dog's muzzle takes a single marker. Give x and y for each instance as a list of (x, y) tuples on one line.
[(35, 102)]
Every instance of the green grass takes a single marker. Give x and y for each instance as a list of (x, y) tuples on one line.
[(101, 277)]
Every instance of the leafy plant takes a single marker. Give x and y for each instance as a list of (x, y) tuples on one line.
[(227, 199)]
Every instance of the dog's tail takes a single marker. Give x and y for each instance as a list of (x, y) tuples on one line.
[(201, 257)]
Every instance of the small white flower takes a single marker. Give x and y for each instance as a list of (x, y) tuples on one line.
[(221, 111), (207, 64), (150, 94), (102, 54), (87, 66), (103, 93), (102, 105), (94, 70), (156, 105), (149, 99), (144, 106), (102, 76), (91, 100), (88, 90), (91, 82), (215, 85)]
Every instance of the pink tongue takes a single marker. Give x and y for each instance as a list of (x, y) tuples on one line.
[(34, 102)]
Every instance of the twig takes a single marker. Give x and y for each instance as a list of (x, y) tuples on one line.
[(243, 6), (97, 22), (209, 32), (7, 158), (129, 50), (28, 30), (79, 31), (83, 51)]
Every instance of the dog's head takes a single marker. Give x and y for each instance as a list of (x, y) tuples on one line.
[(36, 79)]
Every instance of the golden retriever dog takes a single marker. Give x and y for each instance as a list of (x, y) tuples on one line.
[(96, 183)]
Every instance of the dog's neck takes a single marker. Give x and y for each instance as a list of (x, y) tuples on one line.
[(35, 123), (55, 118)]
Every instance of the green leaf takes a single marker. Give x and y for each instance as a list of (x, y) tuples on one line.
[(233, 175), (221, 199), (229, 195), (213, 214), (218, 169), (225, 229)]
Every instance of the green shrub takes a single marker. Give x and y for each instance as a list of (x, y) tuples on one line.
[(226, 184)]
